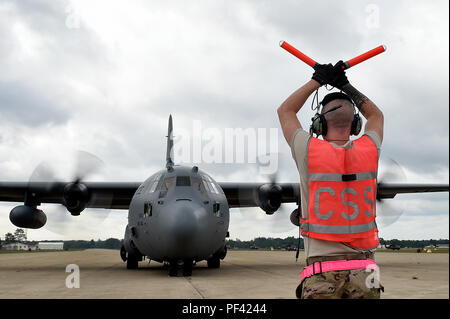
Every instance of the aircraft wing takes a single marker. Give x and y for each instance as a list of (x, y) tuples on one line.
[(114, 195), (261, 194), (251, 194), (389, 190), (118, 195)]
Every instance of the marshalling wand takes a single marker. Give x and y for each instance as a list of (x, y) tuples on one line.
[(347, 64)]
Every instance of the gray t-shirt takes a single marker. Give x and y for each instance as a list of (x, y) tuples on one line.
[(317, 247)]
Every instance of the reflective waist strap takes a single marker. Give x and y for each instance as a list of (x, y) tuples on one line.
[(320, 267), (337, 177), (338, 229)]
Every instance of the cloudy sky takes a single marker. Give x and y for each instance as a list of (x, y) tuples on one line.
[(103, 77)]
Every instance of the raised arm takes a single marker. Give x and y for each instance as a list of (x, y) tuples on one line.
[(368, 109), (374, 116), (287, 112)]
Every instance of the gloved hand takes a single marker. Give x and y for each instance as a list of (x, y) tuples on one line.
[(322, 73), (337, 76)]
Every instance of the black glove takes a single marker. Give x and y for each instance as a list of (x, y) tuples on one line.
[(322, 73), (337, 76)]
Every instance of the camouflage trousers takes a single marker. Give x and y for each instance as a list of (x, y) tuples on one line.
[(342, 284)]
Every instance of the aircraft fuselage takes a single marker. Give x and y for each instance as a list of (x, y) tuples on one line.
[(178, 214)]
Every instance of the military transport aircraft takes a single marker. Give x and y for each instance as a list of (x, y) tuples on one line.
[(179, 215)]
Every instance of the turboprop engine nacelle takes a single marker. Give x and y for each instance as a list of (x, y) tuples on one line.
[(295, 217), (75, 198), (269, 196)]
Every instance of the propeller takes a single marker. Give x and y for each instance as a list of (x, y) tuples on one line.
[(389, 211), (75, 195), (267, 195), (280, 221)]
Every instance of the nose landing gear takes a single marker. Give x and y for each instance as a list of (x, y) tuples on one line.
[(173, 269), (186, 266)]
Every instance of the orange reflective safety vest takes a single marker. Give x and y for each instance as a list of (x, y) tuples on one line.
[(341, 193)]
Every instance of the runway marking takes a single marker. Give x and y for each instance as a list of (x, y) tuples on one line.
[(189, 280), (252, 268)]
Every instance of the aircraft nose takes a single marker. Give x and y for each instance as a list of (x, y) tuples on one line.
[(186, 219), (181, 229)]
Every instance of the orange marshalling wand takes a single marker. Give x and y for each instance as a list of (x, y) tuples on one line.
[(348, 64)]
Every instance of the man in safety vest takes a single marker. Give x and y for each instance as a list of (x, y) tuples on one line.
[(338, 187)]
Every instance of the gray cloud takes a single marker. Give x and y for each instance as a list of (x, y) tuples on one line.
[(19, 103)]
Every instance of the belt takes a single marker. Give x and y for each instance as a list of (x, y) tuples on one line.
[(324, 266), (361, 255)]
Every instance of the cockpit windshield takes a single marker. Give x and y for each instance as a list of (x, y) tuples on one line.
[(168, 183), (154, 183), (202, 183), (210, 185), (183, 181)]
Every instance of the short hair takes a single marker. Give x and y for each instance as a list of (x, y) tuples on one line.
[(335, 96), (341, 117)]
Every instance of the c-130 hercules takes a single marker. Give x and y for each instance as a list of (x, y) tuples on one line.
[(179, 215)]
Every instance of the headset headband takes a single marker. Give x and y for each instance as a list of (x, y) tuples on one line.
[(335, 96), (319, 123)]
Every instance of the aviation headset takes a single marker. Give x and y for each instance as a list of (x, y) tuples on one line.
[(319, 123)]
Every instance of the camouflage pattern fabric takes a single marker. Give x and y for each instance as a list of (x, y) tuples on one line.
[(348, 284)]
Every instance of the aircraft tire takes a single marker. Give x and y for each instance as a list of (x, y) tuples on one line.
[(214, 262), (132, 262), (187, 268), (223, 253), (173, 269)]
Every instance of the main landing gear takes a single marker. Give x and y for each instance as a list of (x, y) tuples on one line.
[(132, 261), (214, 261), (132, 258)]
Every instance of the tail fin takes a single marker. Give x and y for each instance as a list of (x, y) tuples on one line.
[(169, 153)]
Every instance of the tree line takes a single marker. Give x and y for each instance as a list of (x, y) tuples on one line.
[(110, 243), (266, 243), (19, 235), (289, 242), (414, 243)]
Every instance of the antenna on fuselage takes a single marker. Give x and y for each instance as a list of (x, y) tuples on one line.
[(169, 153)]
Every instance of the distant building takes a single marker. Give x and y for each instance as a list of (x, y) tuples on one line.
[(50, 246), (15, 246)]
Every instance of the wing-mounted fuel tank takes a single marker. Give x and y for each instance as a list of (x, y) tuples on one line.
[(24, 216), (28, 215)]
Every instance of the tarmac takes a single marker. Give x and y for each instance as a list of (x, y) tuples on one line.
[(250, 274)]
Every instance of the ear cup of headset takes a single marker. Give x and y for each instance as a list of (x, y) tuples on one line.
[(356, 125), (324, 124), (315, 125), (319, 125)]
